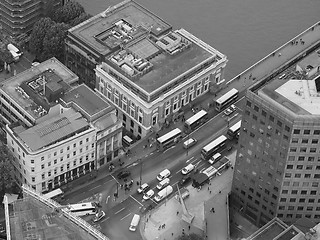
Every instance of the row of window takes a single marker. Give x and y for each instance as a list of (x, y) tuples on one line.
[(302, 192), (299, 183), (301, 167), (303, 158), (299, 208), (290, 215), (304, 141), (303, 150), (299, 175)]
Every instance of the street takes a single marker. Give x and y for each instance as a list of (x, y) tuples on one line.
[(119, 211)]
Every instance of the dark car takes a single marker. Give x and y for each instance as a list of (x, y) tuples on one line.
[(123, 174), (145, 209), (184, 181)]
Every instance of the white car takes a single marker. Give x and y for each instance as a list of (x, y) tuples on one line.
[(144, 187), (99, 216), (148, 194), (227, 112), (187, 169)]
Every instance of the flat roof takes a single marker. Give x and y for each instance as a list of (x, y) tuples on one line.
[(269, 231), (296, 91), (86, 99), (32, 219), (26, 88), (52, 130), (93, 31)]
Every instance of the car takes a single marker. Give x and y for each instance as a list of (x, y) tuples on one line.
[(233, 108), (227, 112), (184, 181), (229, 148), (99, 216), (147, 208), (143, 188), (187, 169), (123, 174), (148, 194), (282, 76)]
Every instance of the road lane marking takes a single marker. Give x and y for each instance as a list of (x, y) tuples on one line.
[(136, 200), (189, 159), (95, 187), (105, 219), (119, 211), (125, 216), (169, 148), (107, 199), (107, 181), (115, 179)]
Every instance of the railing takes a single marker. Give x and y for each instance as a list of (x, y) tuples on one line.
[(80, 222)]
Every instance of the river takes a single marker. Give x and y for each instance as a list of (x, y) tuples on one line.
[(244, 30)]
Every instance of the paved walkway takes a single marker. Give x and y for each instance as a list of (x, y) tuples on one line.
[(205, 223)]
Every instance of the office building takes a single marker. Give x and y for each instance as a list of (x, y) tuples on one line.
[(18, 16), (142, 66), (52, 127), (277, 168)]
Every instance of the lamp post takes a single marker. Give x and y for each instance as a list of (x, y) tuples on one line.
[(140, 180), (188, 144)]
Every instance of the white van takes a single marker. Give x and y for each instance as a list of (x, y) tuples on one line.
[(189, 143), (163, 193), (215, 158), (134, 222), (165, 182), (164, 174)]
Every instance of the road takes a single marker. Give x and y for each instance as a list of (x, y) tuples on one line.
[(120, 211)]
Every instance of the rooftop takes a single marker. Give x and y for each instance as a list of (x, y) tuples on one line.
[(295, 91), (52, 130), (86, 100), (32, 88), (102, 33), (152, 64)]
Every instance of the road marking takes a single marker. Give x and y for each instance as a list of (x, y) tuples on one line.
[(107, 199), (105, 219), (115, 179), (169, 148), (179, 171), (136, 200), (189, 159), (126, 216), (107, 181), (119, 211), (95, 187)]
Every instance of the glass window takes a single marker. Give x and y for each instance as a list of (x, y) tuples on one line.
[(316, 132), (296, 131), (306, 131)]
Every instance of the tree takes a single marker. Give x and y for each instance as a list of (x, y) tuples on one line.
[(80, 19), (68, 12), (6, 170), (191, 236), (53, 42), (38, 34), (6, 56)]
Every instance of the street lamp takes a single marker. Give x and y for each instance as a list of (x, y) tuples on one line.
[(140, 171)]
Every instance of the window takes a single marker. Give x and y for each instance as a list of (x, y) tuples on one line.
[(74, 153), (293, 149), (303, 149), (299, 167), (297, 175), (68, 148), (42, 166), (294, 192), (310, 159), (313, 192), (314, 141), (248, 104), (289, 166), (309, 167), (283, 199), (303, 192), (300, 158), (304, 140), (313, 150), (287, 128), (302, 200), (42, 158), (279, 123), (32, 169), (292, 200), (300, 208), (307, 176), (316, 132), (294, 140), (306, 131), (32, 161), (271, 118), (296, 131)]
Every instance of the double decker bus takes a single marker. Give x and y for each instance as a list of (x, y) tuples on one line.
[(82, 209), (55, 194), (233, 131), (169, 139), (213, 147), (195, 121), (227, 99)]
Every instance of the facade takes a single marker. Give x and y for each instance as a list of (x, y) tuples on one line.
[(18, 16), (147, 70), (277, 165), (52, 127)]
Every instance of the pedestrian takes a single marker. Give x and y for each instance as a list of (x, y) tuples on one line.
[(177, 213), (210, 191), (208, 188), (220, 191), (164, 225), (279, 54), (159, 227), (182, 230), (147, 219), (171, 234), (189, 227)]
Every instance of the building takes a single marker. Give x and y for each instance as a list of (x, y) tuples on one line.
[(36, 217), (18, 16), (142, 66), (52, 127), (277, 230), (277, 165)]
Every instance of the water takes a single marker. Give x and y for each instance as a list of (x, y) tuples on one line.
[(244, 30)]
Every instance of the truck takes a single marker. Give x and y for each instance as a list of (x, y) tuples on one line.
[(163, 193)]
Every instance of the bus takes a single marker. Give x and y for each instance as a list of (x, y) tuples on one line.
[(55, 194), (82, 209), (210, 149), (227, 99), (169, 139), (210, 172), (194, 121), (234, 130)]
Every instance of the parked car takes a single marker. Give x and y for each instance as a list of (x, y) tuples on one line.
[(227, 112), (99, 216), (184, 181), (148, 194), (146, 208), (123, 174), (143, 188)]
